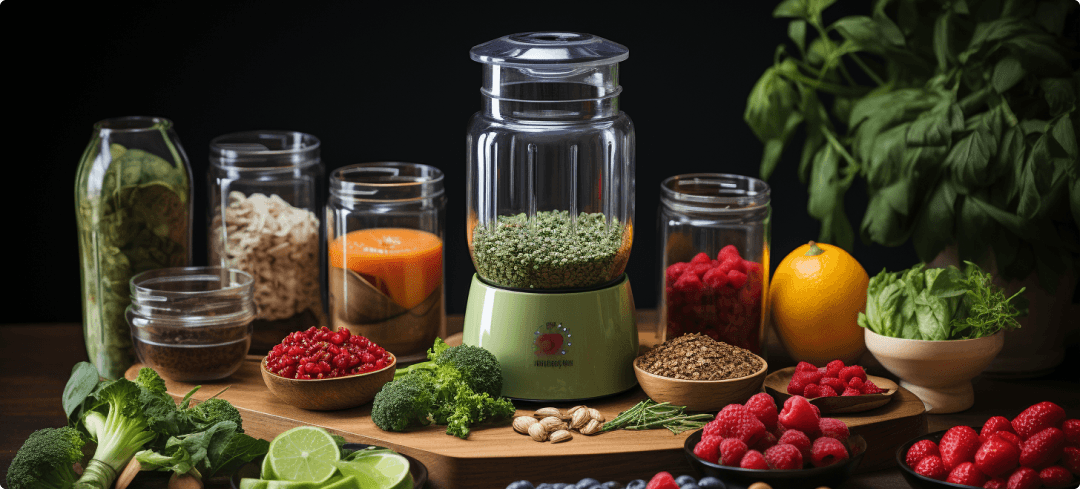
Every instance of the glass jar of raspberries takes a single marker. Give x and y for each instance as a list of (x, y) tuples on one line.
[(715, 256)]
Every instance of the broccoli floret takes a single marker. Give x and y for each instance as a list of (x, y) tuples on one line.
[(212, 411), (46, 460), (479, 367), (403, 403), (458, 386), (114, 418)]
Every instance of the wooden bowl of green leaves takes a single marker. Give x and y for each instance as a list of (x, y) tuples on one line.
[(937, 328)]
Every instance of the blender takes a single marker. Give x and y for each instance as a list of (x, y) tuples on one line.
[(550, 217)]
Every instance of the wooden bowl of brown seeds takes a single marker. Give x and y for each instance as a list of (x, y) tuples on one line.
[(700, 373)]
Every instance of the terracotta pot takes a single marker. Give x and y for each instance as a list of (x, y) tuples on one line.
[(1039, 345)]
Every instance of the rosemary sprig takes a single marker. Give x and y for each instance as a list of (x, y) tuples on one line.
[(649, 414)]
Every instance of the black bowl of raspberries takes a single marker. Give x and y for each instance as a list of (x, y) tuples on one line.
[(793, 449), (1038, 448)]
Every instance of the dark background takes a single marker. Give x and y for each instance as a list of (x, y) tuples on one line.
[(375, 81)]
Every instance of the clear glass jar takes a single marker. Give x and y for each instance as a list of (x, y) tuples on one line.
[(550, 164), (385, 255), (192, 324), (714, 231), (265, 208), (133, 209)]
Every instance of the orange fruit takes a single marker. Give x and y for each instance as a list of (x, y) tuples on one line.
[(815, 297)]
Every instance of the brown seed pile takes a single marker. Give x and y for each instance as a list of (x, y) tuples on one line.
[(698, 357)]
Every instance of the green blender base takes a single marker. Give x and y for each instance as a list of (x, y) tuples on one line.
[(556, 346)]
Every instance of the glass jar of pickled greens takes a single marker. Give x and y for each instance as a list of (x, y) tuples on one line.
[(133, 209)]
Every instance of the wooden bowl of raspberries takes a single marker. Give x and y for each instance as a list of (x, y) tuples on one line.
[(834, 388), (324, 370), (793, 448), (1037, 448)]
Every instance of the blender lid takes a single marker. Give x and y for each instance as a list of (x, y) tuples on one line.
[(549, 49)]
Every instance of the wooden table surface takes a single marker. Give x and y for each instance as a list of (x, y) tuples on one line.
[(36, 360)]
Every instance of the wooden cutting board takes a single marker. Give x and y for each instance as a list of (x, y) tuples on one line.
[(495, 455)]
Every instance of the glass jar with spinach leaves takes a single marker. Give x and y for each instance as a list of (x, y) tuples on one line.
[(133, 209)]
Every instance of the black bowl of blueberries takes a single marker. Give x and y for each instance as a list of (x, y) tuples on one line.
[(684, 482)]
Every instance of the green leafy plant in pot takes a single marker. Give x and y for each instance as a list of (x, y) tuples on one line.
[(960, 117)]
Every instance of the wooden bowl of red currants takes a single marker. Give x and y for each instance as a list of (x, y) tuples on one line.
[(323, 370)]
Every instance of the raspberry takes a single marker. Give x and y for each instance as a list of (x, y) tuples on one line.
[(797, 439), (798, 414), (827, 451), (736, 278), (1024, 478), (997, 457), (754, 460), (813, 391), (1037, 418), (827, 391), (958, 446), (869, 388), (727, 253), (833, 428), (836, 385), (1071, 427), (690, 286), (674, 271), (931, 466), (1055, 476), (996, 483), (920, 450), (833, 368), (796, 388), (712, 430), (764, 409), (848, 373), (855, 383), (715, 278), (708, 449), (662, 480), (738, 422), (851, 391), (808, 377), (994, 425), (1042, 449), (699, 269), (701, 258), (805, 367), (765, 442), (966, 474), (732, 451), (1071, 460), (784, 457)]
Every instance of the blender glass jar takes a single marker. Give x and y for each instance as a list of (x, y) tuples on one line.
[(550, 164), (385, 256), (714, 231), (264, 220)]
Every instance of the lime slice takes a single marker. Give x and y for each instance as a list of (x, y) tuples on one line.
[(267, 472), (304, 453), (378, 471), (349, 482), (249, 483)]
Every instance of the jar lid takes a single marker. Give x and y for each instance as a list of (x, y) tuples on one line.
[(549, 50)]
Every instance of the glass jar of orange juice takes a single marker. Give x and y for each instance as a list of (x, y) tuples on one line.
[(385, 258)]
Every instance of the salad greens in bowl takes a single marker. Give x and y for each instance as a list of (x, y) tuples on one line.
[(937, 328)]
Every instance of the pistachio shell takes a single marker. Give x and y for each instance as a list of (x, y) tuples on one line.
[(561, 436), (549, 411), (522, 424), (538, 432)]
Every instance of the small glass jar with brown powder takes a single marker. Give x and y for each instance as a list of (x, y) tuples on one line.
[(192, 324), (698, 357)]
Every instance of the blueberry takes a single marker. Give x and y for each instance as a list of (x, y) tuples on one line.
[(683, 480), (711, 483), (520, 485), (586, 483), (612, 485), (691, 485), (636, 484), (561, 485), (545, 486)]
